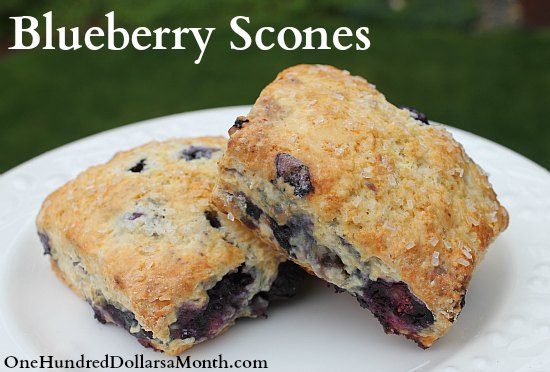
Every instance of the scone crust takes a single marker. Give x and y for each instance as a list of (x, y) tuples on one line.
[(396, 189), (143, 235)]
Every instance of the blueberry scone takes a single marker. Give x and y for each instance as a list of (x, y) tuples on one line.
[(365, 195), (137, 239)]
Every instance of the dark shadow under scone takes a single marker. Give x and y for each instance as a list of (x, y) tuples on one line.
[(137, 239), (363, 194)]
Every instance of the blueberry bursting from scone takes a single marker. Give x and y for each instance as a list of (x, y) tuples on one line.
[(367, 196), (137, 239)]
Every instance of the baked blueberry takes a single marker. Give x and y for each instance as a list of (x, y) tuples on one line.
[(240, 121), (134, 215), (252, 210), (225, 300), (106, 312), (295, 173), (212, 217), (282, 234), (45, 240), (331, 260), (289, 279), (420, 116), (138, 167), (395, 306), (198, 152)]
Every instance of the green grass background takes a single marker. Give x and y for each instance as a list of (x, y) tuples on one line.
[(494, 84)]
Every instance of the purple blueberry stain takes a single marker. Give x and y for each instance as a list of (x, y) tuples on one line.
[(134, 216), (287, 282), (240, 121), (252, 210), (212, 218), (228, 297), (299, 228), (188, 322), (395, 306), (259, 303), (289, 277), (145, 342), (392, 303), (415, 114), (198, 152), (463, 301), (295, 173), (331, 260), (125, 319), (336, 288), (371, 186), (282, 234), (45, 240), (349, 248), (225, 300), (462, 304), (138, 168)]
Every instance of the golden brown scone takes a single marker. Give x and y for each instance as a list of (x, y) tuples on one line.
[(363, 194), (137, 239)]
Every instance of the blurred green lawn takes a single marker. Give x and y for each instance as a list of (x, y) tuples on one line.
[(496, 85)]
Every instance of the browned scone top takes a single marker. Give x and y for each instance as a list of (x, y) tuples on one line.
[(135, 230), (393, 187)]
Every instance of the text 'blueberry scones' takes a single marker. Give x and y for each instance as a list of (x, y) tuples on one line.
[(137, 239), (365, 195)]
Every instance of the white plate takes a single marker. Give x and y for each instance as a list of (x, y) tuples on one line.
[(505, 325)]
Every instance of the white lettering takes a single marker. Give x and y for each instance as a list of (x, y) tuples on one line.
[(259, 38), (111, 30), (62, 39), (93, 32), (177, 37), (361, 34), (138, 32), (19, 33), (341, 32), (297, 38), (49, 28), (159, 32), (309, 38), (242, 33), (200, 42)]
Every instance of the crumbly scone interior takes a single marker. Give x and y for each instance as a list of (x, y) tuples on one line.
[(324, 252), (106, 303), (322, 248)]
